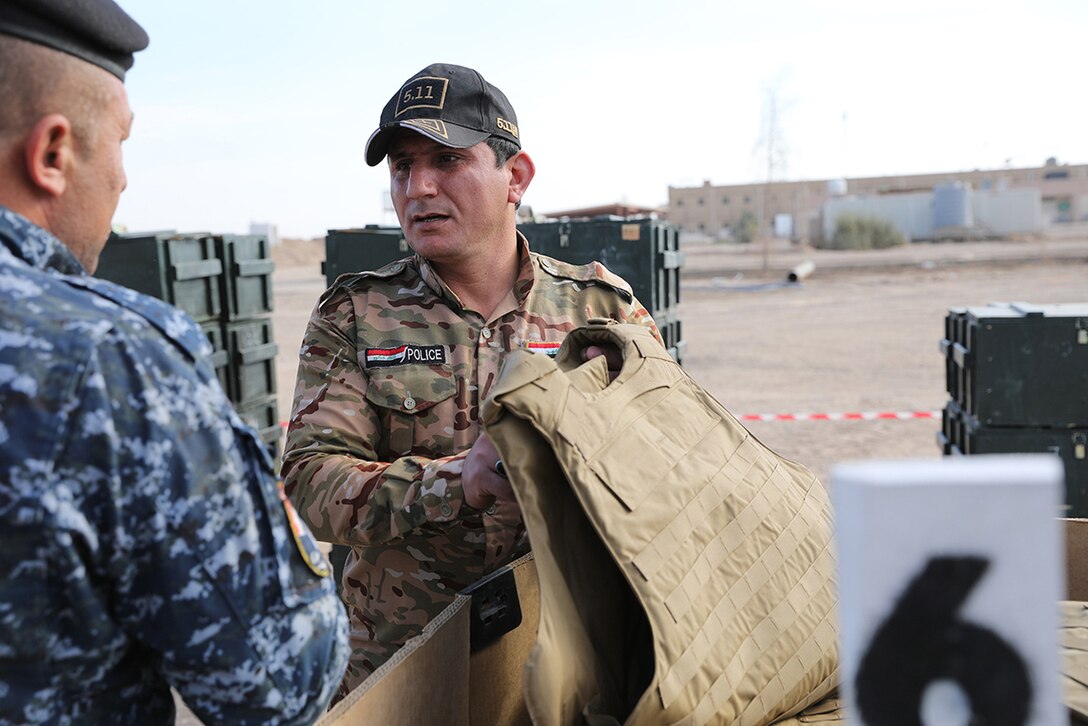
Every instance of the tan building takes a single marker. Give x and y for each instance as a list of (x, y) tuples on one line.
[(712, 211)]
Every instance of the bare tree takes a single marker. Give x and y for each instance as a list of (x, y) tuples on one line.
[(771, 144)]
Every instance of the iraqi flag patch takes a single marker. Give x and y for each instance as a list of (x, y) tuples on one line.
[(430, 355), (548, 349)]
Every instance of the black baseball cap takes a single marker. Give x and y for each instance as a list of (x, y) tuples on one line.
[(97, 31), (450, 104)]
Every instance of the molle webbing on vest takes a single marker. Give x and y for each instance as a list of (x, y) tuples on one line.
[(723, 546)]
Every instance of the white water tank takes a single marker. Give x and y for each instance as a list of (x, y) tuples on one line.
[(952, 205)]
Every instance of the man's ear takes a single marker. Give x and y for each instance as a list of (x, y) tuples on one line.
[(522, 171), (50, 154)]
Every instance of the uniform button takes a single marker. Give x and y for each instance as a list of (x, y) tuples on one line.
[(446, 510), (486, 333), (409, 403), (492, 509)]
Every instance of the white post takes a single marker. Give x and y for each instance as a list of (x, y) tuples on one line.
[(949, 575)]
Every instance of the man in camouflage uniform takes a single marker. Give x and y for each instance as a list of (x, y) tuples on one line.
[(145, 541), (384, 450)]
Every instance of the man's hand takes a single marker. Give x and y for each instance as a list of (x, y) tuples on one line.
[(483, 485), (611, 353)]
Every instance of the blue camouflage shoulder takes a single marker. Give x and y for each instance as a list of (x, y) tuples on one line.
[(146, 543)]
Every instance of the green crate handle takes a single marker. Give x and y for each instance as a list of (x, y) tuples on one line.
[(258, 353), (250, 268), (194, 270)]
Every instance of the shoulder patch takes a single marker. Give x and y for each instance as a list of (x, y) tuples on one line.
[(304, 541), (548, 349), (593, 273)]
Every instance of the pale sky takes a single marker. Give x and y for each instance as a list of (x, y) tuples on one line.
[(259, 110)]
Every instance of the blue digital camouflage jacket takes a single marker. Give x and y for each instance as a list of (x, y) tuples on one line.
[(144, 542)]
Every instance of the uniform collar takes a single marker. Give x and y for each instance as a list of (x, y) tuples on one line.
[(522, 285), (526, 275), (35, 246)]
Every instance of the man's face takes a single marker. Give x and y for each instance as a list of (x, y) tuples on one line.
[(453, 204), (97, 180)]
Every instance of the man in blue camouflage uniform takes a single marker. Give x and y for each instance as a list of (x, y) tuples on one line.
[(144, 541)]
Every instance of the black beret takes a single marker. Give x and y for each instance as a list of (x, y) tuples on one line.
[(98, 31)]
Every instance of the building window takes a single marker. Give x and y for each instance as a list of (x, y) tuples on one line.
[(747, 200), (725, 200), (679, 202), (699, 201)]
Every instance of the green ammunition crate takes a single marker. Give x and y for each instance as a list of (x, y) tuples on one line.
[(356, 250), (953, 374), (262, 415), (1019, 364), (253, 349), (183, 270), (246, 283), (668, 324), (962, 434), (645, 252), (220, 358)]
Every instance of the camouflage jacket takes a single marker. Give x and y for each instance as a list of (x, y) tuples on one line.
[(144, 540), (391, 378)]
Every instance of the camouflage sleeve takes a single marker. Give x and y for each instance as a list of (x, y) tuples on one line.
[(331, 464), (197, 543)]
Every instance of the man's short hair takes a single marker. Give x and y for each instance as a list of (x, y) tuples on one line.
[(503, 149), (36, 81)]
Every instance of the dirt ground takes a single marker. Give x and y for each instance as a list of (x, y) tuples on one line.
[(860, 334)]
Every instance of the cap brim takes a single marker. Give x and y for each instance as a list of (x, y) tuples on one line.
[(447, 134)]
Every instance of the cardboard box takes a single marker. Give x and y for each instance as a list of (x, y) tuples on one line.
[(1076, 559), (437, 680), (425, 683)]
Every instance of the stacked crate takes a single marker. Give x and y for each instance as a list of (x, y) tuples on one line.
[(645, 252), (1017, 376), (365, 248), (246, 286), (224, 282)]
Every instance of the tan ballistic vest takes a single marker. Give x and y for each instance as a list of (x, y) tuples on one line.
[(686, 574)]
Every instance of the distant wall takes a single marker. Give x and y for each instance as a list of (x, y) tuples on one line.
[(1009, 211), (994, 212), (911, 214)]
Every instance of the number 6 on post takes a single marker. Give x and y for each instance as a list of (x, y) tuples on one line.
[(949, 575)]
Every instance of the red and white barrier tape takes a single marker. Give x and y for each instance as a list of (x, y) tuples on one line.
[(849, 416)]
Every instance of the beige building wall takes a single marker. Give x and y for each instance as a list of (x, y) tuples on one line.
[(712, 210)]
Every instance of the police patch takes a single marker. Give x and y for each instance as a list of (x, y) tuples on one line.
[(430, 355)]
